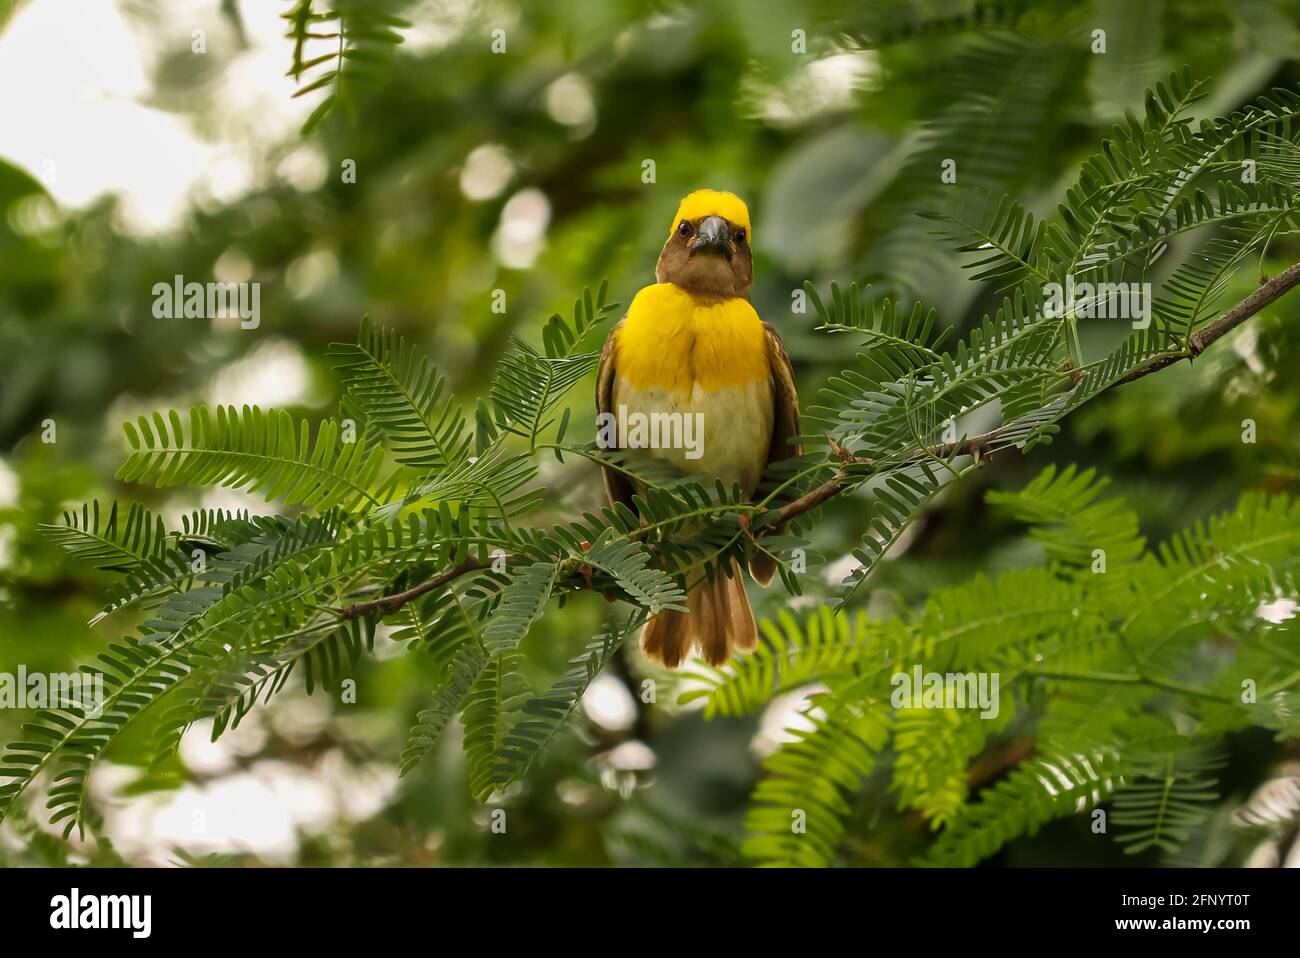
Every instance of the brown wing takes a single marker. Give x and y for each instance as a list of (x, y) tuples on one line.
[(618, 488), (785, 427), (785, 401)]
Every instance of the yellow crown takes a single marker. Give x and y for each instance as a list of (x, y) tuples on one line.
[(714, 203)]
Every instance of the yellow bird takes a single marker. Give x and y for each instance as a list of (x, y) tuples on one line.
[(691, 345)]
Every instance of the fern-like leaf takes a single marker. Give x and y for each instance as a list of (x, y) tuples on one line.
[(543, 716), (107, 543), (254, 450), (405, 396)]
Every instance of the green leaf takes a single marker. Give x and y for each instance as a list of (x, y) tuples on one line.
[(522, 602), (259, 451), (626, 562), (543, 716), (490, 709), (448, 700), (406, 397)]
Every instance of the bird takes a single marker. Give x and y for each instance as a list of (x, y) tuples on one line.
[(693, 344)]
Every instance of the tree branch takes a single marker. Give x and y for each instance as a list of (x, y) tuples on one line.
[(1198, 342), (1268, 292), (387, 605)]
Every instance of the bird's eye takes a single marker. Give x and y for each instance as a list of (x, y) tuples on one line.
[(740, 237), (684, 228)]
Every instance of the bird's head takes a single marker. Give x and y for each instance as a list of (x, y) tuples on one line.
[(707, 253)]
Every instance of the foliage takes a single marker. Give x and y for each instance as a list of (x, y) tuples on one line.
[(1094, 668), (212, 610), (361, 34)]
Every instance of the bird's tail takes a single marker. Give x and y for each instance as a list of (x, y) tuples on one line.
[(718, 620)]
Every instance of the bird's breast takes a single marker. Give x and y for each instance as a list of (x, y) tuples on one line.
[(695, 377), (673, 341)]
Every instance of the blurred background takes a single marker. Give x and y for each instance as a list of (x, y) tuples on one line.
[(129, 155)]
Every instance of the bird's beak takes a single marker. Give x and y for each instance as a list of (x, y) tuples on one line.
[(713, 236)]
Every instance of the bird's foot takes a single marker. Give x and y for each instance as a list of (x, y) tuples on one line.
[(585, 570), (844, 456)]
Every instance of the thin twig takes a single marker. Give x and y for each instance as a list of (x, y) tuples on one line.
[(1207, 335), (1201, 340), (388, 604)]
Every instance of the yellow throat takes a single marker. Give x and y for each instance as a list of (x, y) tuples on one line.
[(673, 341)]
